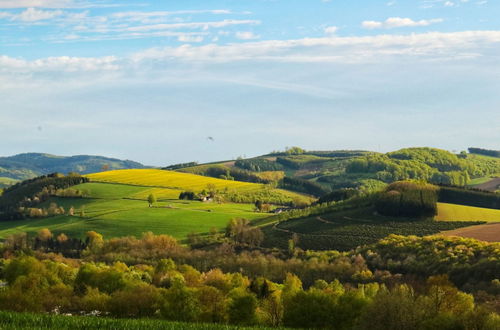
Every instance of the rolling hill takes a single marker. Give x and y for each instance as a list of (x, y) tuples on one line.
[(319, 172), (29, 165), (115, 205)]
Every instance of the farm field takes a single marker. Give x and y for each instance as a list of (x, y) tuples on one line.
[(492, 184), (478, 181), (168, 184), (114, 211), (455, 212), (489, 232), (167, 179), (12, 320), (346, 230)]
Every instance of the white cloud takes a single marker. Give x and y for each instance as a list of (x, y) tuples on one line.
[(246, 35), (190, 38), (432, 45), (134, 14), (36, 3), (59, 64), (331, 30), (193, 25), (33, 15), (11, 4), (397, 22)]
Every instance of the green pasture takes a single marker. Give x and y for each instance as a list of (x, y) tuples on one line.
[(111, 210)]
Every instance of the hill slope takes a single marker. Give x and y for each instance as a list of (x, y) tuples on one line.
[(319, 172), (30, 165), (163, 182)]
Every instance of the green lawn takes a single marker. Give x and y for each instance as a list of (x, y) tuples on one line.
[(111, 211)]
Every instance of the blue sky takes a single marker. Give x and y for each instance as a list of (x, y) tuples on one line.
[(150, 81)]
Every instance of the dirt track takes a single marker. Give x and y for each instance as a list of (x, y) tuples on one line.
[(488, 232), (491, 185)]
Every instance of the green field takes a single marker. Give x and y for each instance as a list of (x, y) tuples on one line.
[(114, 211), (345, 230), (455, 212), (5, 182), (11, 320)]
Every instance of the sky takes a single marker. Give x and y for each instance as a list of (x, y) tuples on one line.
[(168, 81)]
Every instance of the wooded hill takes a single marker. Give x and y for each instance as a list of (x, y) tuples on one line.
[(29, 165), (320, 172)]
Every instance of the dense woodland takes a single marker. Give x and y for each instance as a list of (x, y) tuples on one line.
[(373, 287), (362, 170)]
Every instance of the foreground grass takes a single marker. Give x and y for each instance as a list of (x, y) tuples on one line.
[(114, 212), (455, 212), (11, 320)]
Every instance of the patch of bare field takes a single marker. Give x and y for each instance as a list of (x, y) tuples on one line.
[(488, 232), (491, 185)]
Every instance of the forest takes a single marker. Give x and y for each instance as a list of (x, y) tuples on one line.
[(156, 277)]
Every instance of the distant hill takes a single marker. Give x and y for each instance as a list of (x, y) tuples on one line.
[(320, 172), (29, 165)]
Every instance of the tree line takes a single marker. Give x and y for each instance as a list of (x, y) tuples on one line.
[(485, 152), (29, 193), (161, 279)]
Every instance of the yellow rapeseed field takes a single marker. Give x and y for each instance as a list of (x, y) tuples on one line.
[(454, 212), (169, 179), (168, 184)]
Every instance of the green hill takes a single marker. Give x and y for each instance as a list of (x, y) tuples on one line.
[(319, 172), (29, 165), (115, 204), (114, 211)]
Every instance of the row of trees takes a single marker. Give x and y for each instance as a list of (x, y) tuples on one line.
[(485, 152), (31, 192), (258, 165), (470, 197), (408, 199), (304, 186)]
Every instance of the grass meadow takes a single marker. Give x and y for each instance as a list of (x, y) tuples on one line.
[(115, 210)]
